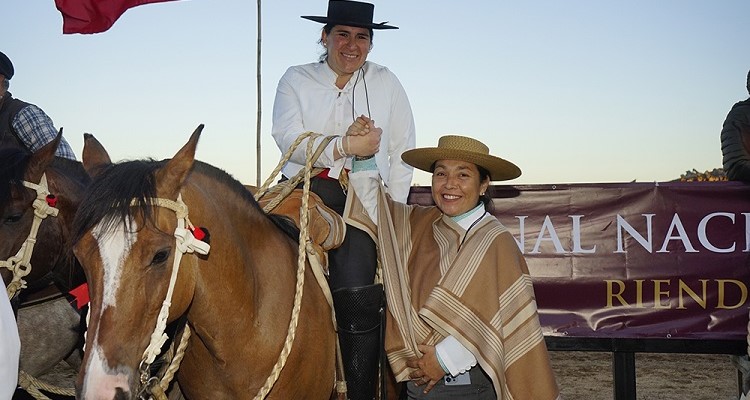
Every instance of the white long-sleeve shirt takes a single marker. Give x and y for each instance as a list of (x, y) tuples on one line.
[(10, 347), (307, 99)]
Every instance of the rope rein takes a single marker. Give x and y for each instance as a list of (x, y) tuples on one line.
[(286, 188), (304, 242), (32, 386)]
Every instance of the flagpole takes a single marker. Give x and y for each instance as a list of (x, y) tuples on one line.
[(257, 124)]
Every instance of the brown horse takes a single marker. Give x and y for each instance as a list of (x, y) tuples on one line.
[(237, 299), (48, 325)]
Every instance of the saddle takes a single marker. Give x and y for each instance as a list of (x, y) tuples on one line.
[(325, 227)]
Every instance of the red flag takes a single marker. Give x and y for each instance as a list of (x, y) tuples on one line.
[(80, 295), (94, 16)]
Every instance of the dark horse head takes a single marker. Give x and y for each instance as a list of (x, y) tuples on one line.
[(23, 177)]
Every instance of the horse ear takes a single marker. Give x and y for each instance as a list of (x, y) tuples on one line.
[(171, 176), (95, 157), (42, 158)]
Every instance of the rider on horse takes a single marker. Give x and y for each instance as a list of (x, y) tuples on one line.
[(22, 124)]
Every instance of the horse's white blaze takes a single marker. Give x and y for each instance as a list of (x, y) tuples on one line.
[(102, 382), (114, 247)]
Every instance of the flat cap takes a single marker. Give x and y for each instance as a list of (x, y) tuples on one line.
[(6, 67)]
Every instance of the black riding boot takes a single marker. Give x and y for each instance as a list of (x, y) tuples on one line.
[(359, 313)]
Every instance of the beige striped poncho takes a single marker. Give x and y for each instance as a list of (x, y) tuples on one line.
[(481, 295)]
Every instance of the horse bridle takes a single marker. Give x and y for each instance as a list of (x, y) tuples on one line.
[(20, 263), (185, 243)]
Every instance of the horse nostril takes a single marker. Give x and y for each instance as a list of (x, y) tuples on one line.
[(120, 394)]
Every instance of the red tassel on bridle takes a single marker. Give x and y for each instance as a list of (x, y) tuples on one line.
[(51, 200), (201, 233)]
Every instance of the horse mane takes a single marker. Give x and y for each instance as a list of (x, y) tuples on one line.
[(12, 169), (284, 223), (109, 196), (73, 167), (14, 165)]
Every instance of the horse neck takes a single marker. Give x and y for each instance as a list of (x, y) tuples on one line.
[(243, 296), (242, 306), (249, 271)]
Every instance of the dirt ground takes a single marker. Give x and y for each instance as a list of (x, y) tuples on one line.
[(588, 376)]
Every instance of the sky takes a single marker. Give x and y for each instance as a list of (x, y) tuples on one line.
[(571, 91)]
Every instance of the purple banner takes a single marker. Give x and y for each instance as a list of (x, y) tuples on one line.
[(633, 260)]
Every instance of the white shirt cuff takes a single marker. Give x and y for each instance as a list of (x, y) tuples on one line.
[(454, 356)]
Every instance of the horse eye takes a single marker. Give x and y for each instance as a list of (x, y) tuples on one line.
[(12, 219), (160, 257)]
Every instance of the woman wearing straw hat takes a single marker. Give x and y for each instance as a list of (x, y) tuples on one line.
[(462, 317), (327, 97)]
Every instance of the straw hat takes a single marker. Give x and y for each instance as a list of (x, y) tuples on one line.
[(453, 147)]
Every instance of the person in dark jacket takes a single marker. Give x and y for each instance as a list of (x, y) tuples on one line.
[(735, 140), (22, 124), (735, 146)]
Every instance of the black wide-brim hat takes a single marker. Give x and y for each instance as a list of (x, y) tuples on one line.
[(350, 13), (6, 67), (454, 147)]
